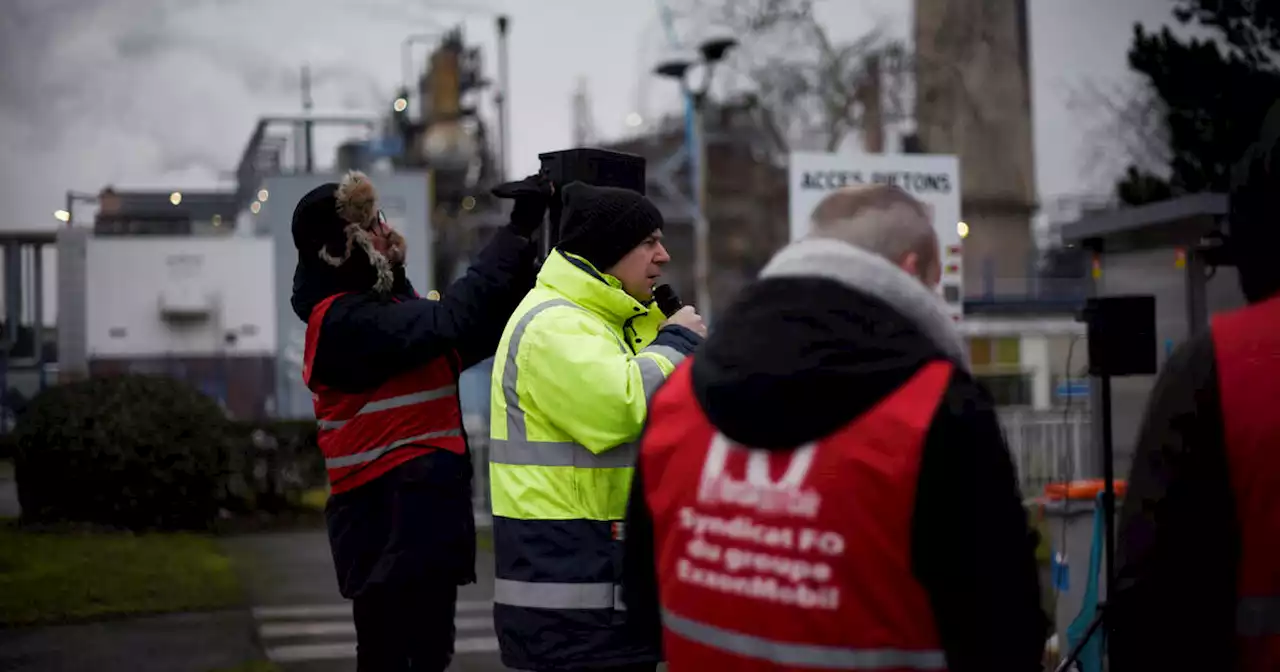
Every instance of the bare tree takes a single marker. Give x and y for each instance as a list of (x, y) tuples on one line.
[(811, 85), (1125, 126)]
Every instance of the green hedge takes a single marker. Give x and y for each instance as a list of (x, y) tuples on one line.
[(139, 452), (272, 465), (143, 452)]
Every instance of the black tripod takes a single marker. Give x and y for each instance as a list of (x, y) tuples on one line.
[(1108, 513), (1122, 342)]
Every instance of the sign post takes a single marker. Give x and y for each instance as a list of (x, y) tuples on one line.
[(932, 179)]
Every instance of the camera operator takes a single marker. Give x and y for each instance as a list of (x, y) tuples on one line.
[(383, 366)]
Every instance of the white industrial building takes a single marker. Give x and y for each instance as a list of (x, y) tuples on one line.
[(209, 304)]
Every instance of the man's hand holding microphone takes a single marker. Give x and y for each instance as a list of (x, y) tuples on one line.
[(677, 313), (688, 318)]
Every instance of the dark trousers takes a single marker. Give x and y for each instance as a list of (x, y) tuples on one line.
[(405, 628), (402, 544)]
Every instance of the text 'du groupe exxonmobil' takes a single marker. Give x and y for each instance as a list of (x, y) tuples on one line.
[(784, 560)]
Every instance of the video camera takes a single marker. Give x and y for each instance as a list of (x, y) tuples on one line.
[(598, 167)]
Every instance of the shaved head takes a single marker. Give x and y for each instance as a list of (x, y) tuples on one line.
[(885, 220)]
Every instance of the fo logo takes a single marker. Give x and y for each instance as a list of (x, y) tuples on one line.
[(758, 490)]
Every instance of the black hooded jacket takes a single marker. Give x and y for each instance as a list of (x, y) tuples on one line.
[(366, 338), (1178, 550), (801, 355)]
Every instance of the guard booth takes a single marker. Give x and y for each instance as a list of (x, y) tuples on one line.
[(1163, 249)]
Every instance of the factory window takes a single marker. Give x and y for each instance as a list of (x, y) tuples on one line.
[(995, 354), (997, 364)]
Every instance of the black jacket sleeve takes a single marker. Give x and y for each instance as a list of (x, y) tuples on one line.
[(364, 342), (972, 547), (1178, 541), (639, 568), (480, 338)]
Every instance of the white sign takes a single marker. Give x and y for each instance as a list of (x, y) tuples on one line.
[(933, 179)]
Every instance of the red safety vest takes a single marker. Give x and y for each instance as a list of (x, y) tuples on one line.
[(1247, 347), (365, 435), (801, 559)]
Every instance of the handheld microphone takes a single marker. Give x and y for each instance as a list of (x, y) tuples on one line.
[(668, 301)]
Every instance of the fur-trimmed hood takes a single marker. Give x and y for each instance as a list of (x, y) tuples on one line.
[(827, 332), (334, 227), (336, 224), (871, 273)]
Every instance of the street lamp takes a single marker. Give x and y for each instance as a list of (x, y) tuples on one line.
[(710, 53)]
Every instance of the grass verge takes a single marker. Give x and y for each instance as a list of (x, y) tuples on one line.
[(6, 470), (314, 499), (74, 575)]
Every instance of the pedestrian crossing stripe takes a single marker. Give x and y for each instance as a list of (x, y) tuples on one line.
[(298, 653), (341, 610), (285, 629)]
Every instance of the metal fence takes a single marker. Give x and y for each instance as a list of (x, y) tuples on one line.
[(1047, 446), (478, 441)]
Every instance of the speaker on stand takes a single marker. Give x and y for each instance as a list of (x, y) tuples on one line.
[(1121, 331)]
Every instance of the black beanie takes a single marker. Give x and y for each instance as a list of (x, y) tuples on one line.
[(316, 224), (1254, 204), (603, 224)]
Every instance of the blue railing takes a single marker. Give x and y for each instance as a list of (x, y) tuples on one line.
[(1037, 290)]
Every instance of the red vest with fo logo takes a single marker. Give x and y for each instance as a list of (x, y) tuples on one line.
[(791, 560), (1247, 350), (365, 435)]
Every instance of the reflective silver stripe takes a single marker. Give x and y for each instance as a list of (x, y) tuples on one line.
[(516, 429), (651, 376), (395, 402), (559, 454), (558, 595), (511, 369), (672, 355), (1258, 616), (802, 655), (374, 453)]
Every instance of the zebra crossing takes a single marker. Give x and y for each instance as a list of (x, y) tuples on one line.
[(326, 632)]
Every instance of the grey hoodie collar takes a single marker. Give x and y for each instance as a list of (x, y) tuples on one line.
[(867, 272)]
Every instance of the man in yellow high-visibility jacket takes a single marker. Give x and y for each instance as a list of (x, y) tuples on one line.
[(572, 377)]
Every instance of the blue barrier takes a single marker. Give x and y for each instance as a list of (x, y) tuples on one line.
[(1090, 659)]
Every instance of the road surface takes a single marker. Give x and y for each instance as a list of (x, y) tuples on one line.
[(305, 626)]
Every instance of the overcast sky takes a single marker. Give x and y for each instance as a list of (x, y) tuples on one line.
[(164, 93)]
